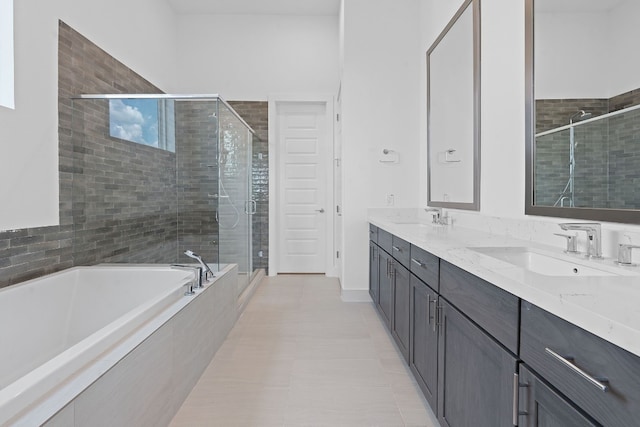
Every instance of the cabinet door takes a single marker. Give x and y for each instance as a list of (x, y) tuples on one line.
[(541, 406), (423, 358), (475, 375), (385, 296), (374, 271), (401, 308)]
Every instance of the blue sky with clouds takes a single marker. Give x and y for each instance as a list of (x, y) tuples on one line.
[(134, 120)]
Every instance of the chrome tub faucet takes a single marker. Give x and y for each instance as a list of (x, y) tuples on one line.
[(206, 271)]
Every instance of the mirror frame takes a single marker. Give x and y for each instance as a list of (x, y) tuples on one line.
[(629, 216), (475, 204)]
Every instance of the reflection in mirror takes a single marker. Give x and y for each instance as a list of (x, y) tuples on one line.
[(583, 134), (453, 100)]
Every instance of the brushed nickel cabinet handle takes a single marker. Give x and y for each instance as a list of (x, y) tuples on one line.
[(397, 249), (418, 263), (598, 383), (516, 390), (435, 313), (516, 399)]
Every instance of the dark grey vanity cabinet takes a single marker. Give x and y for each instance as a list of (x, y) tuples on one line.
[(600, 378), (475, 374), (465, 337), (401, 304), (493, 309), (385, 287), (423, 352), (374, 272), (541, 406)]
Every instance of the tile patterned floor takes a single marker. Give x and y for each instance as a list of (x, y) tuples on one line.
[(299, 356)]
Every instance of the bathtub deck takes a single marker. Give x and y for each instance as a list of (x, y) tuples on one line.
[(300, 356)]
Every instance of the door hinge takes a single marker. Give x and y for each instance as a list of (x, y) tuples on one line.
[(337, 209), (337, 254), (338, 117)]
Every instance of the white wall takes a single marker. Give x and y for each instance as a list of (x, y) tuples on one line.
[(141, 34), (247, 57), (380, 109), (572, 56), (624, 33), (581, 54)]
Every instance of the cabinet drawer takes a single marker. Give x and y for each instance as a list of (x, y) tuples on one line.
[(401, 251), (373, 233), (425, 266), (493, 309), (580, 364), (385, 240)]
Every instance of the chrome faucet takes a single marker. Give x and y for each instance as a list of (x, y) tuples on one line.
[(594, 236), (197, 283), (206, 271), (437, 216)]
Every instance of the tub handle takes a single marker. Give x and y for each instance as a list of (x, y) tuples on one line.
[(197, 283), (189, 292)]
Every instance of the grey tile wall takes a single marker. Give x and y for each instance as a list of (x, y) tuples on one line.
[(125, 202), (104, 234), (196, 154), (124, 194)]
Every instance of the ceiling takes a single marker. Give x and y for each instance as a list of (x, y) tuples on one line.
[(256, 7)]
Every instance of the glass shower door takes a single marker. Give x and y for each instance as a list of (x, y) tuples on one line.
[(235, 205)]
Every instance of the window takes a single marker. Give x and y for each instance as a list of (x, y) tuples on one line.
[(145, 121), (6, 54)]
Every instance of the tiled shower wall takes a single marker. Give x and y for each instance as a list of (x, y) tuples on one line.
[(607, 154), (28, 253), (196, 154), (119, 199)]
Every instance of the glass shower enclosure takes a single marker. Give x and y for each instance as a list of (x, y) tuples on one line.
[(155, 175)]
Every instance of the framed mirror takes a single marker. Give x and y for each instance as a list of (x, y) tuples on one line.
[(583, 109), (453, 112)]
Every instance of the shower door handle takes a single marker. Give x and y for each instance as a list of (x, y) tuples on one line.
[(250, 207), (321, 210)]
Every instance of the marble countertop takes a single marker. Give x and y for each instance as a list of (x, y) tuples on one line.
[(608, 306)]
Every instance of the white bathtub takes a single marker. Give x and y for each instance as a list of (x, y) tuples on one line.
[(54, 326)]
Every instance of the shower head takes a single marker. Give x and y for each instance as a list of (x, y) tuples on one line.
[(581, 115)]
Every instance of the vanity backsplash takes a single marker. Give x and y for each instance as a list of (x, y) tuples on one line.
[(537, 230)]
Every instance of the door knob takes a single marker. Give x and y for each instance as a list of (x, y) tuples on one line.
[(321, 210)]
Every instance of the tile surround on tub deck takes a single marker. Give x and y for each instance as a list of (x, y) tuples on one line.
[(166, 353)]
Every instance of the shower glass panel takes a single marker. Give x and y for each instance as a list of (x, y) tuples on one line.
[(155, 175), (591, 163), (235, 203)]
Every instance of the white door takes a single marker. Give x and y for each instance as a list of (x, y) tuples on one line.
[(303, 152)]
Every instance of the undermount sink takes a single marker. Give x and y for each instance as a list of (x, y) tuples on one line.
[(548, 264)]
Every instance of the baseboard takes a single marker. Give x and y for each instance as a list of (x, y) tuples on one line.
[(348, 295)]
